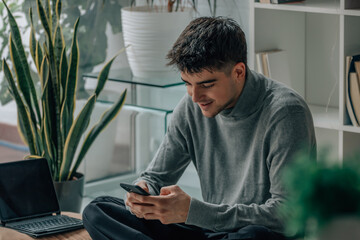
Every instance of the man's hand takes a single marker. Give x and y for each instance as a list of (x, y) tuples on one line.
[(171, 206)]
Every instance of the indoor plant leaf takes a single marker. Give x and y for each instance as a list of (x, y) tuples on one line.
[(77, 129)]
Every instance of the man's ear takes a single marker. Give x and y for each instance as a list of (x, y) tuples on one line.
[(239, 71)]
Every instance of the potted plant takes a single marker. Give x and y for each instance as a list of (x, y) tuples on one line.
[(324, 198), (149, 31), (47, 123)]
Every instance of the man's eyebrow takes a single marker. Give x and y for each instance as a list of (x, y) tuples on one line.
[(202, 82)]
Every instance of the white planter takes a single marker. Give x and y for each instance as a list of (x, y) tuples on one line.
[(150, 35)]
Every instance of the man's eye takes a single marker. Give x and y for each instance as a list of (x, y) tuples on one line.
[(209, 85)]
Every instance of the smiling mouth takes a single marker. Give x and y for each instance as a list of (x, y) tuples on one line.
[(205, 104)]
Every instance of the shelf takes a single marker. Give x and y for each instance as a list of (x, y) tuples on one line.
[(158, 94), (125, 76), (325, 117), (352, 129), (352, 12), (319, 6)]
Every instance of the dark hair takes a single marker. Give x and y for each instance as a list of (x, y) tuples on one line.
[(211, 43)]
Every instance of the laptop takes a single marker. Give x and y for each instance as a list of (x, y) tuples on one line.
[(28, 201)]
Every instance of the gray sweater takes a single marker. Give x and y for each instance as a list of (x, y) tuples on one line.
[(239, 155)]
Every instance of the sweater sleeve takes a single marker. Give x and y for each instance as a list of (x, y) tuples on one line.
[(172, 157), (285, 136)]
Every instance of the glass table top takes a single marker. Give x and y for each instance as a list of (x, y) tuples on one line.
[(159, 94), (125, 76)]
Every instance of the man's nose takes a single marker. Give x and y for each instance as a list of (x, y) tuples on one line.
[(195, 94)]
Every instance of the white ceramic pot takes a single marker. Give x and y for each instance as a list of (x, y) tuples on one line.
[(150, 34)]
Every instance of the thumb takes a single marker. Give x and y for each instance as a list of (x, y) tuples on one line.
[(165, 190), (143, 185)]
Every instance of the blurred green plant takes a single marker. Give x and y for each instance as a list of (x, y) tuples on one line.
[(48, 126), (320, 192)]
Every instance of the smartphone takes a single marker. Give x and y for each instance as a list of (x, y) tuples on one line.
[(134, 189)]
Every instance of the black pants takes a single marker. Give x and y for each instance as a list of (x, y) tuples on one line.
[(107, 218)]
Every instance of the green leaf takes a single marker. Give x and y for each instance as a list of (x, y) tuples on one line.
[(58, 9), (21, 78), (103, 76), (48, 14), (63, 74), (104, 121), (43, 18), (73, 139), (54, 76), (58, 44), (44, 73), (22, 58), (39, 57), (32, 40), (22, 111), (71, 79), (49, 144)]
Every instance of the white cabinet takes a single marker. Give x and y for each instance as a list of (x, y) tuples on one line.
[(317, 36)]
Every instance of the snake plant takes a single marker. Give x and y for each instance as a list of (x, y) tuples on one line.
[(46, 122)]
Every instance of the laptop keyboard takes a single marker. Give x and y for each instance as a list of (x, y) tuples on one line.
[(53, 222)]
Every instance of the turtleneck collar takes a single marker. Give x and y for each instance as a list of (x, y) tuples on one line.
[(250, 98)]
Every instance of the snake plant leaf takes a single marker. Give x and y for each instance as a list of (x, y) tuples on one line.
[(44, 73), (49, 145), (23, 60), (54, 76), (48, 14), (71, 80), (58, 9), (104, 121), (21, 128), (104, 73), (38, 58), (77, 129), (21, 77), (32, 156), (32, 39), (43, 17), (51, 127), (22, 111), (58, 44), (63, 75)]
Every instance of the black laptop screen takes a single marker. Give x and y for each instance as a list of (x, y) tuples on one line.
[(26, 190)]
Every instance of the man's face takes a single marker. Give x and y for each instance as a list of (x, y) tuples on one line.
[(215, 91)]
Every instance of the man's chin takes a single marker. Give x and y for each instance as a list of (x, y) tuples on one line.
[(209, 114)]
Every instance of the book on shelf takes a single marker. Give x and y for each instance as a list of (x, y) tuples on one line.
[(286, 1), (349, 107), (355, 94), (352, 89), (274, 64)]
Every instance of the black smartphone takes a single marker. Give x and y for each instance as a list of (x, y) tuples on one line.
[(134, 189)]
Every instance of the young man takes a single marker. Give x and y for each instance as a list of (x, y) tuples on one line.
[(239, 128)]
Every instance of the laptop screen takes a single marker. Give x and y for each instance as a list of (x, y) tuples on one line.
[(26, 190)]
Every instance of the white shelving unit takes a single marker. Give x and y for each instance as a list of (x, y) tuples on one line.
[(317, 36)]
